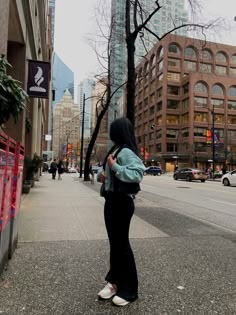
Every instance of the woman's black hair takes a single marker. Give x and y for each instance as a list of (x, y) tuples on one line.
[(122, 134)]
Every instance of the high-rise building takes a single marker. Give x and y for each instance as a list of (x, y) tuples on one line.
[(63, 78), (51, 4), (185, 107), (171, 14), (85, 88), (66, 127)]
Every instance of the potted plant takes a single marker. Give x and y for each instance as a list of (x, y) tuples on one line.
[(12, 96), (31, 167)]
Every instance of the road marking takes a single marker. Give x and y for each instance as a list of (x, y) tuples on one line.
[(227, 203)]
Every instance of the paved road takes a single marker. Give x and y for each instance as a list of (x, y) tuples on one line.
[(185, 266)]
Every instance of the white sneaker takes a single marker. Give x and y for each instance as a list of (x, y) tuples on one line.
[(107, 292), (119, 301)]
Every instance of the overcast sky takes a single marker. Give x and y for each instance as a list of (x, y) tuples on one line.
[(75, 20)]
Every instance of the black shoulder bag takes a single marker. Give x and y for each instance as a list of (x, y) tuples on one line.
[(122, 187)]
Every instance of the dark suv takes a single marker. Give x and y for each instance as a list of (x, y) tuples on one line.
[(153, 170), (190, 174)]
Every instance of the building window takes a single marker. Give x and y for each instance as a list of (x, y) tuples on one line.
[(186, 103), (220, 57), (232, 134), (200, 146), (172, 119), (220, 70), (185, 132), (217, 103), (159, 93), (173, 62), (199, 132), (171, 133), (153, 60), (206, 54), (200, 88), (160, 53), (190, 65), (205, 67), (186, 88), (232, 120), (200, 102), (233, 59), (146, 102), (231, 105), (217, 90), (173, 76), (160, 65), (173, 90), (186, 118), (172, 104), (158, 147), (174, 49), (159, 106), (190, 52), (200, 117), (232, 72), (232, 91), (151, 110), (219, 119), (159, 134), (171, 147), (160, 77)]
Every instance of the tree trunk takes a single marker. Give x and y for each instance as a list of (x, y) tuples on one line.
[(131, 78)]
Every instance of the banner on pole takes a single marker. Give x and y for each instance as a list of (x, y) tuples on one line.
[(38, 79)]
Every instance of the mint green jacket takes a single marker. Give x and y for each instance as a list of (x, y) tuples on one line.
[(129, 168)]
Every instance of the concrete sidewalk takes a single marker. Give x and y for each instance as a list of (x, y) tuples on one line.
[(63, 255)]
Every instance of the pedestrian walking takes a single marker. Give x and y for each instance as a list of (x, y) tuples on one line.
[(60, 169), (122, 172), (53, 169)]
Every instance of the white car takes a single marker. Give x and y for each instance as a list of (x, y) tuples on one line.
[(71, 170), (229, 178)]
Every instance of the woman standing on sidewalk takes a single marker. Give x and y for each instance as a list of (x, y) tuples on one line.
[(125, 168)]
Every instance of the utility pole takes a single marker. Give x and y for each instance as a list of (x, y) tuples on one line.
[(82, 140), (213, 140)]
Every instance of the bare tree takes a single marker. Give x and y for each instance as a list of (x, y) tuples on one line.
[(136, 21)]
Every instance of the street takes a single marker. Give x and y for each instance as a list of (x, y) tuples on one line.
[(210, 202)]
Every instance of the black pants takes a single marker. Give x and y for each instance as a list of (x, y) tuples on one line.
[(118, 212)]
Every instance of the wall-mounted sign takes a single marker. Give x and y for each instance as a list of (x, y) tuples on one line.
[(48, 137), (38, 78)]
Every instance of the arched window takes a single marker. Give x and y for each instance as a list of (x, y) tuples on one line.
[(160, 52), (217, 90), (153, 60), (190, 52), (174, 49), (206, 54), (200, 87), (233, 59), (145, 70), (221, 57), (232, 91)]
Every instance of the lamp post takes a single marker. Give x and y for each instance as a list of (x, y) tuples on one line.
[(213, 140)]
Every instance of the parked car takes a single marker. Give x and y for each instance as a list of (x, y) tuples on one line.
[(218, 174), (229, 178), (190, 174), (72, 170), (153, 170)]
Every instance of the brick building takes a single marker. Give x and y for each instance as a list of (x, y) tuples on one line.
[(186, 88)]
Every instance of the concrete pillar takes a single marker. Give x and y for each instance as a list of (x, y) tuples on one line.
[(4, 18)]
